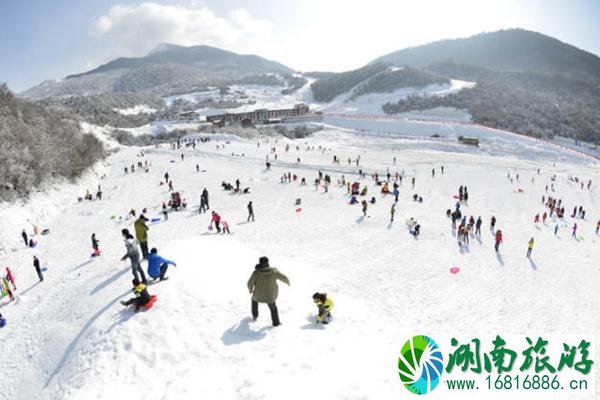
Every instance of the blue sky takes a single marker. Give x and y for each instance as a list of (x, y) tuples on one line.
[(46, 39)]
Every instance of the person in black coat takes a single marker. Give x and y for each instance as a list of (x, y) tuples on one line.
[(38, 269), (25, 238), (250, 212)]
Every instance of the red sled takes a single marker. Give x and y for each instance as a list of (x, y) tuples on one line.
[(149, 304)]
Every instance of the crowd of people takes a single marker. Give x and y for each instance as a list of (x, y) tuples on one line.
[(262, 283)]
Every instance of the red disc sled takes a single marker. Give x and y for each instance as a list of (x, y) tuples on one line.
[(149, 304)]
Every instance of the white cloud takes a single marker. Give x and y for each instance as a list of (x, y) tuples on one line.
[(133, 30)]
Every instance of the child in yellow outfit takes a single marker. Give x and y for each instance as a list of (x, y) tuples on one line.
[(324, 304)]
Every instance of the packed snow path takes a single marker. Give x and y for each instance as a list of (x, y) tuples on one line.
[(68, 337)]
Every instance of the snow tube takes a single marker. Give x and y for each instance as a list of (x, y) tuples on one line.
[(44, 269), (298, 209), (149, 304), (210, 227), (2, 322), (45, 231), (454, 270)]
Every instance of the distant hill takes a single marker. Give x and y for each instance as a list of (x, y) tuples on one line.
[(36, 144), (204, 57), (165, 70), (526, 82), (514, 50)]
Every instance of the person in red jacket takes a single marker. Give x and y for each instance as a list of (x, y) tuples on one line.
[(498, 239), (11, 278), (216, 218)]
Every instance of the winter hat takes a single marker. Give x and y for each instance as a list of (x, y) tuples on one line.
[(263, 260)]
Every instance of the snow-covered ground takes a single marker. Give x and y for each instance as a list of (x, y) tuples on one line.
[(136, 110), (371, 103), (159, 127), (252, 97), (69, 338)]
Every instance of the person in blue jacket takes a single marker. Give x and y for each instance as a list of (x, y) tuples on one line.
[(157, 266)]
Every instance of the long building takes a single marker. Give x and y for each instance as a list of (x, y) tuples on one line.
[(262, 116)]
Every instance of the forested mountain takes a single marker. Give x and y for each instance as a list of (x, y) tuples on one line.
[(526, 82), (36, 144)]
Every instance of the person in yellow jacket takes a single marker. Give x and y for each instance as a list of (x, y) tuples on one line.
[(324, 304), (530, 247), (141, 234)]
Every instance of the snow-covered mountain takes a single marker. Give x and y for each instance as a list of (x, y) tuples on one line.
[(166, 69)]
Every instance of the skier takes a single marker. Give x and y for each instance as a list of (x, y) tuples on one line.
[(157, 266), (263, 287), (133, 255), (166, 177), (413, 182), (197, 168), (536, 219), (324, 305), (530, 247), (2, 321), (498, 239), (171, 186), (392, 212), (95, 246), (38, 269), (598, 227), (555, 229), (364, 207), (25, 239), (250, 212), (492, 223), (478, 227), (216, 218), (574, 234), (141, 295)]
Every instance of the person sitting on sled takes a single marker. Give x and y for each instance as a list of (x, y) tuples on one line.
[(142, 297), (324, 304)]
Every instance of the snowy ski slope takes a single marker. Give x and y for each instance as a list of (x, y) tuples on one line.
[(69, 338)]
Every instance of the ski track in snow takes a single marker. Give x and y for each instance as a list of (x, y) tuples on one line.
[(69, 338)]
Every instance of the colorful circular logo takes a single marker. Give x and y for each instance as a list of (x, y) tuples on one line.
[(420, 364)]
